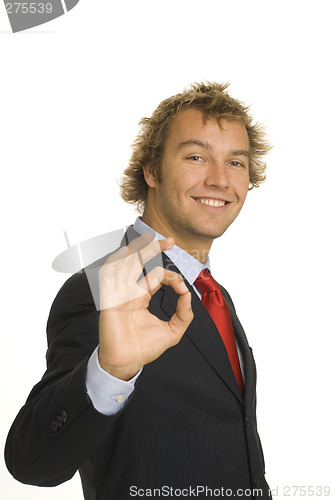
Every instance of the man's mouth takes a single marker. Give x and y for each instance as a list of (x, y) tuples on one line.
[(212, 202)]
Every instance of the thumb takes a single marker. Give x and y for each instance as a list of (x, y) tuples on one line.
[(181, 319)]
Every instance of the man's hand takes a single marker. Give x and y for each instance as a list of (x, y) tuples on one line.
[(129, 335)]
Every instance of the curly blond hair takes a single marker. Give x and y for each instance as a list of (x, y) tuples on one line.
[(211, 99)]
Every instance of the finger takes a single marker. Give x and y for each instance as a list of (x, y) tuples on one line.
[(140, 242), (158, 276), (131, 248), (121, 253), (133, 298), (143, 241), (181, 319), (145, 253), (143, 247), (115, 295), (121, 268)]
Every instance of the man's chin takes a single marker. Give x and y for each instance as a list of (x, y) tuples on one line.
[(209, 235)]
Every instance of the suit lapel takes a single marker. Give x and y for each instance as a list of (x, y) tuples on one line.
[(203, 333), (249, 363)]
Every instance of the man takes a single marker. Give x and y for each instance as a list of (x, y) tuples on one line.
[(155, 395)]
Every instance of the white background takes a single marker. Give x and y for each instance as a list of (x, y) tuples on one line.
[(71, 94)]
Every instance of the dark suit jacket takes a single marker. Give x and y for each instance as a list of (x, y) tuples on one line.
[(186, 423)]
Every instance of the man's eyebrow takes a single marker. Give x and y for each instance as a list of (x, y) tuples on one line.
[(207, 145), (240, 152), (194, 142)]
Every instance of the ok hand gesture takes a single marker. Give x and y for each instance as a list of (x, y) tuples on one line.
[(129, 335)]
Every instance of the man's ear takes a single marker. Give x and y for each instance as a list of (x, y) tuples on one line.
[(149, 175)]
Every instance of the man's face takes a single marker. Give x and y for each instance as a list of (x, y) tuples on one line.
[(205, 179)]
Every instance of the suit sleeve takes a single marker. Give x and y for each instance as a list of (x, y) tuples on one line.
[(58, 428)]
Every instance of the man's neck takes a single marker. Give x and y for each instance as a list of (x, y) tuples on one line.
[(193, 246)]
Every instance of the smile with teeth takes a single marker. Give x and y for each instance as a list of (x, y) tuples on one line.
[(212, 203)]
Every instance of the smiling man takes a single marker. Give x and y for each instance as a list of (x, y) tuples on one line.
[(155, 395), (204, 181)]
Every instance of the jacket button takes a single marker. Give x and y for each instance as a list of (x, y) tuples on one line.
[(59, 421), (54, 426), (64, 416)]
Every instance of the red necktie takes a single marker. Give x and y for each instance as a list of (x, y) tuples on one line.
[(216, 305)]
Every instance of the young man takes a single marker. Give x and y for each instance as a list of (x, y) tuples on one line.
[(155, 395)]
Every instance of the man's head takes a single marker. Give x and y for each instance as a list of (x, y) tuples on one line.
[(214, 102), (193, 164)]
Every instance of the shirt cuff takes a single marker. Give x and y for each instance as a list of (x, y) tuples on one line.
[(107, 393)]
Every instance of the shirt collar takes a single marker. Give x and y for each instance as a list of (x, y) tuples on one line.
[(186, 263)]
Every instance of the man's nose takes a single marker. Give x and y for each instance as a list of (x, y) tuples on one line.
[(217, 175)]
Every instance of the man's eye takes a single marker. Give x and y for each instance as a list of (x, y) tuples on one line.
[(236, 164), (195, 158)]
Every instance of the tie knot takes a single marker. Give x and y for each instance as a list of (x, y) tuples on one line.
[(205, 283)]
